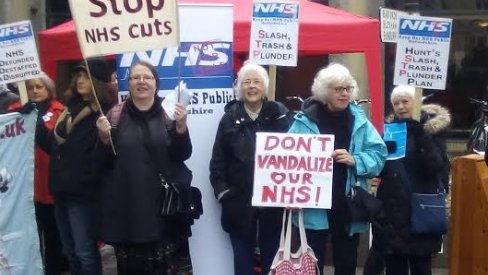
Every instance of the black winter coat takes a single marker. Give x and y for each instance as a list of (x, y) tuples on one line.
[(424, 168), (75, 165), (232, 165), (132, 191)]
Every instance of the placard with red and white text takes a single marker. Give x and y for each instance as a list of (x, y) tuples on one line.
[(293, 170), (274, 33)]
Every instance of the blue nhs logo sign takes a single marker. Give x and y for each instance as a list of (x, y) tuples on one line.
[(425, 28), (15, 31), (279, 10), (200, 64)]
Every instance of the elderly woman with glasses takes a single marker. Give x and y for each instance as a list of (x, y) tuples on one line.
[(232, 169), (359, 153)]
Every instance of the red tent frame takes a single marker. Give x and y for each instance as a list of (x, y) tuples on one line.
[(323, 30)]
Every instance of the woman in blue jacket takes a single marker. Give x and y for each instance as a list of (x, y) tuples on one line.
[(359, 153)]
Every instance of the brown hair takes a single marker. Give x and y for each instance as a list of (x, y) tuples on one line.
[(103, 90), (151, 68)]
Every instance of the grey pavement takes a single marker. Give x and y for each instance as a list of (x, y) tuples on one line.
[(109, 268)]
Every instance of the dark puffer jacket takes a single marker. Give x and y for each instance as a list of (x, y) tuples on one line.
[(232, 164), (425, 167)]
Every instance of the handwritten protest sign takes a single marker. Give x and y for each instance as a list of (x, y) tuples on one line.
[(18, 53), (118, 26), (293, 170), (422, 52), (274, 33)]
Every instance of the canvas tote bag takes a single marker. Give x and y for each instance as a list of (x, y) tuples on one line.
[(303, 261)]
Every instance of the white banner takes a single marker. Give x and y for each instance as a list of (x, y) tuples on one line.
[(119, 26), (19, 241), (389, 24), (274, 33), (18, 53), (293, 170), (422, 52), (205, 64)]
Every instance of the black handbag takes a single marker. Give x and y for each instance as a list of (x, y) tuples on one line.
[(180, 199), (361, 206)]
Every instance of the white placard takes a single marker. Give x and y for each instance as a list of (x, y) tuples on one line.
[(389, 24), (119, 26), (422, 52), (293, 170), (18, 53), (274, 33)]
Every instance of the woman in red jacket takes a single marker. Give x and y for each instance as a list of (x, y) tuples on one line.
[(41, 92)]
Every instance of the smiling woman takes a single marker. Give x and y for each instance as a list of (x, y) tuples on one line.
[(151, 150), (232, 169)]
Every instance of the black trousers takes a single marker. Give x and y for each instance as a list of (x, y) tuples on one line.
[(344, 250), (51, 248), (399, 264)]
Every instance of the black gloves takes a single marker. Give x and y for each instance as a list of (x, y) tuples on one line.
[(26, 108)]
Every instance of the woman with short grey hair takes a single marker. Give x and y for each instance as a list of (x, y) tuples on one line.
[(232, 169), (359, 153)]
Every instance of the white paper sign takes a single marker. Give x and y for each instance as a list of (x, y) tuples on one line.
[(389, 24), (422, 52), (18, 53), (274, 33), (293, 170), (119, 26)]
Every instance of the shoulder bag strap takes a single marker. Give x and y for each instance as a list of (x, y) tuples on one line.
[(287, 251)]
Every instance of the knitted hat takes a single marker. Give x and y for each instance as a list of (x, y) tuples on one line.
[(98, 68)]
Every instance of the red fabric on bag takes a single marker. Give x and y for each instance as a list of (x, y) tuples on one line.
[(306, 265)]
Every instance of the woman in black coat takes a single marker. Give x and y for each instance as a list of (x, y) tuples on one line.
[(423, 170), (150, 148), (75, 175), (232, 169)]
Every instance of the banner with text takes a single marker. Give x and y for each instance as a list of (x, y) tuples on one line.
[(422, 51), (119, 26), (293, 170), (389, 24), (18, 53), (274, 33), (204, 62), (19, 241)]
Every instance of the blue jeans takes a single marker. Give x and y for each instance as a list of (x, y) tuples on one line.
[(78, 224), (244, 250)]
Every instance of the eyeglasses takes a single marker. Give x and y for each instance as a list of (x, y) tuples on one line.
[(144, 78), (248, 82), (340, 89)]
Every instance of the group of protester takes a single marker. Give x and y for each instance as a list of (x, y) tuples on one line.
[(99, 177)]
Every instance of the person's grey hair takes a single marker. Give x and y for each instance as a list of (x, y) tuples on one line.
[(402, 91), (48, 82), (263, 74), (331, 76)]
